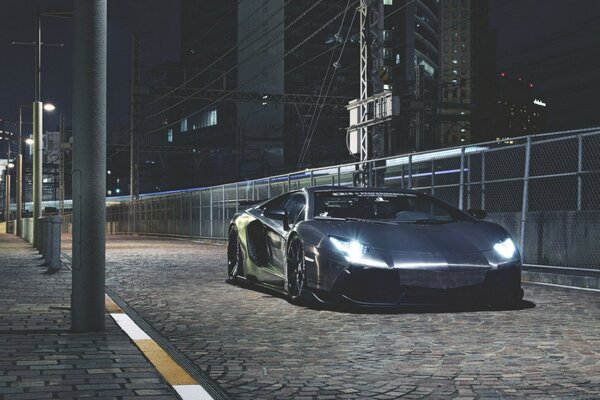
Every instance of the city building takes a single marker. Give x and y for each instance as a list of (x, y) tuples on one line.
[(467, 72), (228, 110), (518, 111), (411, 54)]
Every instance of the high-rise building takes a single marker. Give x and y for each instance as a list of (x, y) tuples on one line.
[(518, 111), (412, 61), (467, 77), (240, 58)]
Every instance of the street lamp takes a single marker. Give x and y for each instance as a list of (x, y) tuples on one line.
[(47, 107), (9, 165)]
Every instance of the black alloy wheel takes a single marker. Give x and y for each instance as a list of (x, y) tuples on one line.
[(234, 256), (296, 269)]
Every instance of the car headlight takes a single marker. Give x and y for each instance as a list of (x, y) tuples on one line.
[(506, 248), (351, 249)]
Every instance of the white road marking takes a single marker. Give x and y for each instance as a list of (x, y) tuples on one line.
[(192, 392), (130, 327)]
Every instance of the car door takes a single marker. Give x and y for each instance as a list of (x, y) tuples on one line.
[(276, 236)]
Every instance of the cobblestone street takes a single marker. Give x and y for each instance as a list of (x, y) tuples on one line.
[(256, 345)]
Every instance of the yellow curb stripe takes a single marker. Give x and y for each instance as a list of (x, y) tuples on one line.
[(170, 370), (111, 306), (173, 373)]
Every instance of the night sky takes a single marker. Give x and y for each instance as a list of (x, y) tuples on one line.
[(553, 43), (156, 21)]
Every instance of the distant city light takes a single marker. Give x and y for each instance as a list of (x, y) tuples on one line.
[(539, 103)]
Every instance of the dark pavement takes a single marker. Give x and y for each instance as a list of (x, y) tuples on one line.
[(258, 346), (41, 359)]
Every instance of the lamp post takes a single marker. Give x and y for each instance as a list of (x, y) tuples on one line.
[(7, 190), (19, 162)]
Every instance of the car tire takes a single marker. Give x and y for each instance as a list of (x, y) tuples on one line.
[(234, 256), (296, 270)]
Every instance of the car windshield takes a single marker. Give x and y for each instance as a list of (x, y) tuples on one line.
[(384, 206)]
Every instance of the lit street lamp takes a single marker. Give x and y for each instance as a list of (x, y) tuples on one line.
[(9, 165), (19, 162)]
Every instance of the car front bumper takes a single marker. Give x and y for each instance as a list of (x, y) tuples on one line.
[(340, 282)]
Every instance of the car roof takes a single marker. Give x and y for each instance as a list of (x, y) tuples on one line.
[(313, 189)]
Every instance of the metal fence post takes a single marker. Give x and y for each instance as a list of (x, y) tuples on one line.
[(525, 205), (410, 172), (468, 182), (579, 170), (461, 188), (200, 213), (433, 176), (237, 197), (312, 182), (190, 215), (289, 182), (211, 212), (339, 175), (483, 180), (224, 210), (402, 176), (253, 190)]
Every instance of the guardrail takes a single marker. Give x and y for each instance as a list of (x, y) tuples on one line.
[(545, 189)]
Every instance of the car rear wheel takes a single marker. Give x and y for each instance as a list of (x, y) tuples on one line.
[(296, 270), (234, 256)]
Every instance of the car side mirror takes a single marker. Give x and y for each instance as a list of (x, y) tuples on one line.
[(279, 214), (477, 213)]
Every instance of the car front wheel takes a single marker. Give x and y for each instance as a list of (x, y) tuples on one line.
[(296, 270), (234, 256)]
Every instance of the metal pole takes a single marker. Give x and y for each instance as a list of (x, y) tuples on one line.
[(37, 169), (7, 198), (89, 165), (579, 170), (19, 187), (211, 212), (482, 180), (461, 189), (468, 182), (61, 172), (402, 176), (525, 205), (410, 172), (37, 135), (433, 177)]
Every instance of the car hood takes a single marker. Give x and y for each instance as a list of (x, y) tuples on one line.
[(456, 237)]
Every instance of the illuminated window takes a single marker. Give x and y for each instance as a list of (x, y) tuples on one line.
[(183, 125), (170, 136), (208, 118), (388, 2)]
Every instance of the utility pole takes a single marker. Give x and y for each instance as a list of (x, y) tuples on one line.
[(37, 129), (89, 165), (134, 119), (7, 189), (19, 180), (61, 172), (37, 137), (370, 111)]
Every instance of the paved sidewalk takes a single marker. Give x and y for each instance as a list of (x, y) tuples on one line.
[(41, 359)]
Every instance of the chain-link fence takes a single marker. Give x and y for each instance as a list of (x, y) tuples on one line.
[(544, 189)]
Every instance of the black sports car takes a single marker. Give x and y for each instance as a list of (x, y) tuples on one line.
[(375, 247)]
